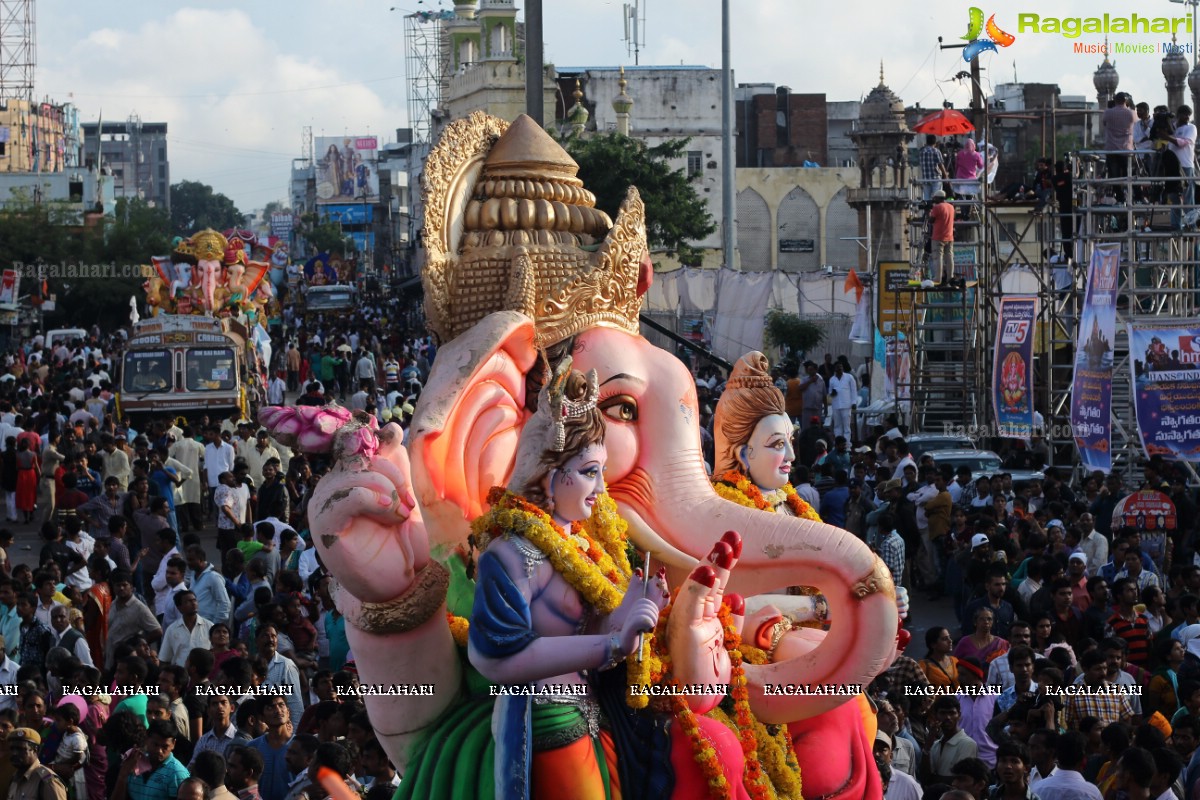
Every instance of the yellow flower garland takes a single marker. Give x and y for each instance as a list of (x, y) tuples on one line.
[(736, 487), (599, 571)]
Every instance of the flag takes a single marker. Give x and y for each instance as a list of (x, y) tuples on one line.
[(860, 331), (853, 283)]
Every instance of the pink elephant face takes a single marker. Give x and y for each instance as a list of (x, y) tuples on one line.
[(649, 402)]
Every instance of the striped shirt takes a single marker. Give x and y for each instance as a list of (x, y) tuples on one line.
[(1136, 634)]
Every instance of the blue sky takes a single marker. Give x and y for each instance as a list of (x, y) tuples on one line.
[(238, 81)]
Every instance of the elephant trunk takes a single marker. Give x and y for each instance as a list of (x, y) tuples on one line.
[(680, 506)]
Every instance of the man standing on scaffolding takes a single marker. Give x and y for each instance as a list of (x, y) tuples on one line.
[(1183, 145), (1118, 135), (933, 168), (942, 217)]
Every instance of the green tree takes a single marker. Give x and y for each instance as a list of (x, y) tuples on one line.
[(195, 206), (324, 236), (609, 163), (794, 335)]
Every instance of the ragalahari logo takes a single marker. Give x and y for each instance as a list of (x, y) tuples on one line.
[(995, 36)]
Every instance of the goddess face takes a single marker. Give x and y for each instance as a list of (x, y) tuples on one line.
[(575, 487), (767, 457)]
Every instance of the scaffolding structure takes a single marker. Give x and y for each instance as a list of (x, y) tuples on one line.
[(944, 328), (427, 64), (1159, 283), (1022, 248), (18, 49)]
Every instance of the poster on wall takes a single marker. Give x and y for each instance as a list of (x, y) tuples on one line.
[(1012, 368), (1091, 387), (1166, 389)]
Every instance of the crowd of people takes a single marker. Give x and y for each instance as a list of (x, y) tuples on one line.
[(144, 661), (252, 677)]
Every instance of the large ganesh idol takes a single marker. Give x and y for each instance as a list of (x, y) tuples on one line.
[(523, 271), (752, 434)]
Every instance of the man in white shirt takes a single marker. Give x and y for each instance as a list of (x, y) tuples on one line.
[(1183, 145), (902, 786), (8, 677), (218, 457), (186, 451), (1092, 543), (276, 389), (188, 632), (1067, 783), (843, 401)]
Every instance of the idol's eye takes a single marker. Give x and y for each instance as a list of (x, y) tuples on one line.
[(591, 472), (620, 408)]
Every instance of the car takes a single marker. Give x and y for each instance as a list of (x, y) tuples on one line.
[(982, 463), (921, 443)]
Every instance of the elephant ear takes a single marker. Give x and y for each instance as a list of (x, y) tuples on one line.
[(465, 430)]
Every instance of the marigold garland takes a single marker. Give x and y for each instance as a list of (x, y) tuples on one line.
[(588, 566), (735, 486)]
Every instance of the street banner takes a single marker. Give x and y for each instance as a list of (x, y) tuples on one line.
[(1166, 389), (1091, 388), (1012, 369)]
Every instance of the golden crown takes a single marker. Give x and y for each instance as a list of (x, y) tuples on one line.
[(509, 227)]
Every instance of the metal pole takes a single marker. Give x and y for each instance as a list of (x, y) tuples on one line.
[(728, 160), (533, 61)]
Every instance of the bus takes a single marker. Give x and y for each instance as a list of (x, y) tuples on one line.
[(188, 365), (335, 300)]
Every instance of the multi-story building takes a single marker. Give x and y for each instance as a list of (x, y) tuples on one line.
[(38, 136), (136, 153)]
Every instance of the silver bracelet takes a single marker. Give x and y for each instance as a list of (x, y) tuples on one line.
[(614, 652)]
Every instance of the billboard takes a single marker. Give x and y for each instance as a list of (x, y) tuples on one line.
[(1166, 389), (1091, 389), (894, 307), (1012, 369), (347, 169)]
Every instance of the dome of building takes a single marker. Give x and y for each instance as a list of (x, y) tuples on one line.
[(578, 114), (1175, 66), (882, 108), (1105, 78)]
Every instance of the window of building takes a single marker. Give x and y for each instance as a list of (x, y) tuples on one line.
[(695, 163)]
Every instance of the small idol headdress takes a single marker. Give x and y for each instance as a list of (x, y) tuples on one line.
[(562, 409)]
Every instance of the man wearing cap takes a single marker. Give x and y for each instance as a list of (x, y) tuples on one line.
[(902, 785), (941, 216), (33, 780), (1077, 574)]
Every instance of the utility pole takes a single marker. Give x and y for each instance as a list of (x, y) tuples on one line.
[(728, 159), (977, 109), (534, 100)]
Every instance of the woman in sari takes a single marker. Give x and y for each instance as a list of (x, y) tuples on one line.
[(981, 645), (939, 666)]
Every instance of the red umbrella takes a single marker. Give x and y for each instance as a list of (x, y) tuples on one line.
[(946, 122)]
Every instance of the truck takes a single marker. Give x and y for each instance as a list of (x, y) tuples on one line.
[(189, 365)]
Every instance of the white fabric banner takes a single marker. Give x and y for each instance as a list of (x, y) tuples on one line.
[(741, 313)]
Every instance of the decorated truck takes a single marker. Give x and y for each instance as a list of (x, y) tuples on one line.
[(204, 349)]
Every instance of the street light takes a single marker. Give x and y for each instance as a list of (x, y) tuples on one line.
[(1193, 4)]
